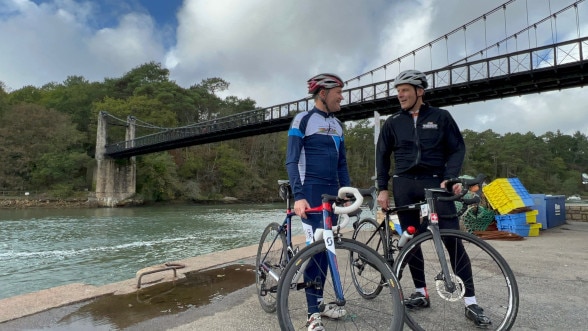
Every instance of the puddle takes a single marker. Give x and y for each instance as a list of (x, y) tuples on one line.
[(117, 312)]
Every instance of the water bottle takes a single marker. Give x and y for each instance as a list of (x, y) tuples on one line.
[(406, 236)]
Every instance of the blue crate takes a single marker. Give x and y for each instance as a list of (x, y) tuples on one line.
[(507, 220), (521, 191), (521, 230)]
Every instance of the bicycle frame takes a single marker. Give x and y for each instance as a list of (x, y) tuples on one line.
[(447, 255), (326, 233), (430, 213), (328, 236)]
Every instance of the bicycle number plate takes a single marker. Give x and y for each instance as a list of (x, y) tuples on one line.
[(424, 210)]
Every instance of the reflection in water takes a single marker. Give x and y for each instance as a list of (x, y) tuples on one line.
[(116, 312)]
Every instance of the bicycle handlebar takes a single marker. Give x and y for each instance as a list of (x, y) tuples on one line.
[(466, 183), (343, 191), (471, 201)]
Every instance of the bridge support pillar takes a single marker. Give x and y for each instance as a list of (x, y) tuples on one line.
[(115, 179)]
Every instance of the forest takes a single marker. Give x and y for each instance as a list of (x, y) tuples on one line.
[(48, 138)]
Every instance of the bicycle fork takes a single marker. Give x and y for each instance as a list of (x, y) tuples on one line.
[(329, 240), (444, 275)]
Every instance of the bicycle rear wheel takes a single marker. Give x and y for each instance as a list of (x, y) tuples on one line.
[(367, 231), (270, 262), (386, 312), (496, 289)]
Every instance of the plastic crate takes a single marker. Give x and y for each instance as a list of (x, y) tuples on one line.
[(521, 230), (534, 229), (508, 195), (511, 220), (521, 191), (531, 216)]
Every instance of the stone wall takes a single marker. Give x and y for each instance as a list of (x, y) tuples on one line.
[(577, 212)]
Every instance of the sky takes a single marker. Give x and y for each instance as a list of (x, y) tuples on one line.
[(267, 49)]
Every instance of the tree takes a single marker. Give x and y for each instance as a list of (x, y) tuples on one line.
[(32, 137), (3, 97), (359, 142), (27, 94), (157, 178), (143, 75), (150, 111)]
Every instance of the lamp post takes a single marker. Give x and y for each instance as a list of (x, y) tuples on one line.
[(376, 135)]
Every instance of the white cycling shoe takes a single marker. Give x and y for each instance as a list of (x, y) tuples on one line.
[(331, 310)]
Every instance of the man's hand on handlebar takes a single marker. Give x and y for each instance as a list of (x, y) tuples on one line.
[(384, 199), (300, 206), (456, 187)]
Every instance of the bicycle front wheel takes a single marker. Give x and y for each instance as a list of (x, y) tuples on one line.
[(494, 282), (270, 262), (386, 312), (368, 232)]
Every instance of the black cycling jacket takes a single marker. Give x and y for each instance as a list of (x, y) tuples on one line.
[(434, 146)]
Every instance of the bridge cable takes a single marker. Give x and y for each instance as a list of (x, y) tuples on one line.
[(433, 42), (528, 34), (577, 21), (505, 29), (519, 32)]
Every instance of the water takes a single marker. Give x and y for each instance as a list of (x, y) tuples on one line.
[(44, 248)]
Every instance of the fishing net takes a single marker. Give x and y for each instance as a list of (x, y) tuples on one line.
[(477, 218)]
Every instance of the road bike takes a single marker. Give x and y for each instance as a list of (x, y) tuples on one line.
[(495, 284), (334, 281), (276, 248)]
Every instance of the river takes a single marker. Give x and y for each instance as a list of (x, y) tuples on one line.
[(44, 248)]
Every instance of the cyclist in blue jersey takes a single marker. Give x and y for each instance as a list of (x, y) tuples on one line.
[(428, 149), (317, 164)]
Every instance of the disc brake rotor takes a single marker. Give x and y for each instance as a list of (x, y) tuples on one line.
[(451, 296)]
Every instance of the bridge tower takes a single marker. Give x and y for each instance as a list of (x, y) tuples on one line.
[(115, 179)]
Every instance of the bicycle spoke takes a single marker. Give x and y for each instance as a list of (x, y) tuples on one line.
[(495, 287), (270, 261), (384, 312)]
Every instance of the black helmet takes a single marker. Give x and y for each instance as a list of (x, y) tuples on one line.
[(412, 77)]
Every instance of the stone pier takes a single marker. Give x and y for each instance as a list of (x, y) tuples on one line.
[(115, 179)]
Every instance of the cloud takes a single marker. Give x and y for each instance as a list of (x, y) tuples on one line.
[(267, 50), (48, 42)]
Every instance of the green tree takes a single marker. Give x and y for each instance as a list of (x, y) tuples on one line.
[(27, 94), (31, 136), (359, 142), (139, 77), (157, 178)]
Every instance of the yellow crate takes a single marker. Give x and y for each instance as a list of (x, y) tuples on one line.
[(534, 229), (532, 216), (502, 196)]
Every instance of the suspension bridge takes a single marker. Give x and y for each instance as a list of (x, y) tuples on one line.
[(539, 50)]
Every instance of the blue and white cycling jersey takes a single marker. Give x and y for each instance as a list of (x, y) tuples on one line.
[(316, 152)]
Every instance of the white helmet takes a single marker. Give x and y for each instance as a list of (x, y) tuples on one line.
[(412, 77)]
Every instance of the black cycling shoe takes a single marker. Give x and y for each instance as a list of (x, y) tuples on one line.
[(476, 314), (417, 300)]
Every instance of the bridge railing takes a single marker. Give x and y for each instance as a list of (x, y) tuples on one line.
[(550, 56)]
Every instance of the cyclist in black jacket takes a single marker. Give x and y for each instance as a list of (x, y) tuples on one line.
[(428, 149)]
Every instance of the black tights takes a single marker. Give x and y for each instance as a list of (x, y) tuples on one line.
[(412, 190)]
